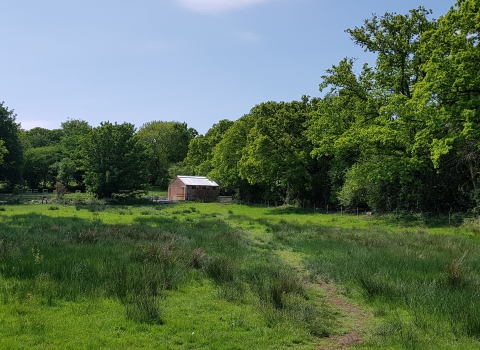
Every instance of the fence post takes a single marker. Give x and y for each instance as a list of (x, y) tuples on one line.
[(357, 211), (327, 208)]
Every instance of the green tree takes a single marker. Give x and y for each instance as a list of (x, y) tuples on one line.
[(71, 167), (166, 144), (395, 38), (226, 156), (447, 101), (11, 168), (277, 154), (347, 125), (200, 149), (40, 165), (40, 137), (367, 126), (73, 130), (66, 170), (3, 151), (114, 160)]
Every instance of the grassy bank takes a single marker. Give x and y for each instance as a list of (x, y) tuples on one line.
[(208, 276)]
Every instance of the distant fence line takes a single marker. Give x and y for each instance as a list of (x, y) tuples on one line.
[(450, 217)]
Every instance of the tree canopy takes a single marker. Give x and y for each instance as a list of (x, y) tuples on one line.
[(11, 167), (3, 150), (114, 160), (166, 144)]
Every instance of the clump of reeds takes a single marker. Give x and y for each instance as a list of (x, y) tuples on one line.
[(144, 309), (456, 272)]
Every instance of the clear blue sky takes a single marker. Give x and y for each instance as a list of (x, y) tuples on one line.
[(193, 61)]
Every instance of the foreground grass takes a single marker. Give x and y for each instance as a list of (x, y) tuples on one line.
[(157, 280), (230, 276)]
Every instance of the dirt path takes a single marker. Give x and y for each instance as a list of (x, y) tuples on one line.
[(358, 322), (353, 319)]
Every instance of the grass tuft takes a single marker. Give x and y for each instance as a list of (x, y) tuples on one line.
[(221, 269), (457, 273), (198, 259), (144, 309)]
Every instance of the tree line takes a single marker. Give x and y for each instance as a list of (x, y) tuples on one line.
[(403, 133), (109, 160)]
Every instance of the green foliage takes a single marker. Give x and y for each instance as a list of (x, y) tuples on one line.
[(66, 170), (277, 155), (227, 154), (391, 133), (200, 150), (40, 137), (166, 144), (11, 167), (3, 150), (40, 165), (396, 39), (114, 159), (448, 99), (73, 131), (70, 168)]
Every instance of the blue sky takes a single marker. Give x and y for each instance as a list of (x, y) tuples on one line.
[(193, 61)]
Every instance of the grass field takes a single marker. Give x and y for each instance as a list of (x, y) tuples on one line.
[(216, 276)]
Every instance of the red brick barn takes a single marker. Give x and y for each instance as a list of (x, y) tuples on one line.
[(193, 188)]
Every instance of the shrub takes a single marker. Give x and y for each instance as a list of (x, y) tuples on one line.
[(60, 189)]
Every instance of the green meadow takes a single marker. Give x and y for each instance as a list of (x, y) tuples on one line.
[(227, 276)]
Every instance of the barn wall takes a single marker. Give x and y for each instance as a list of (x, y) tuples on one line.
[(202, 193), (176, 191)]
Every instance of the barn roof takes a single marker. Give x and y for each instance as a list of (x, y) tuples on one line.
[(196, 181)]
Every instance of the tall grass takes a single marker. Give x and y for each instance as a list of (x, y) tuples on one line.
[(424, 289), (435, 279), (54, 260)]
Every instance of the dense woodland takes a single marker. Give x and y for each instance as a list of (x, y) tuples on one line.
[(403, 134)]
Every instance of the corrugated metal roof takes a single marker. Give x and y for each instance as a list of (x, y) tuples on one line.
[(196, 181)]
